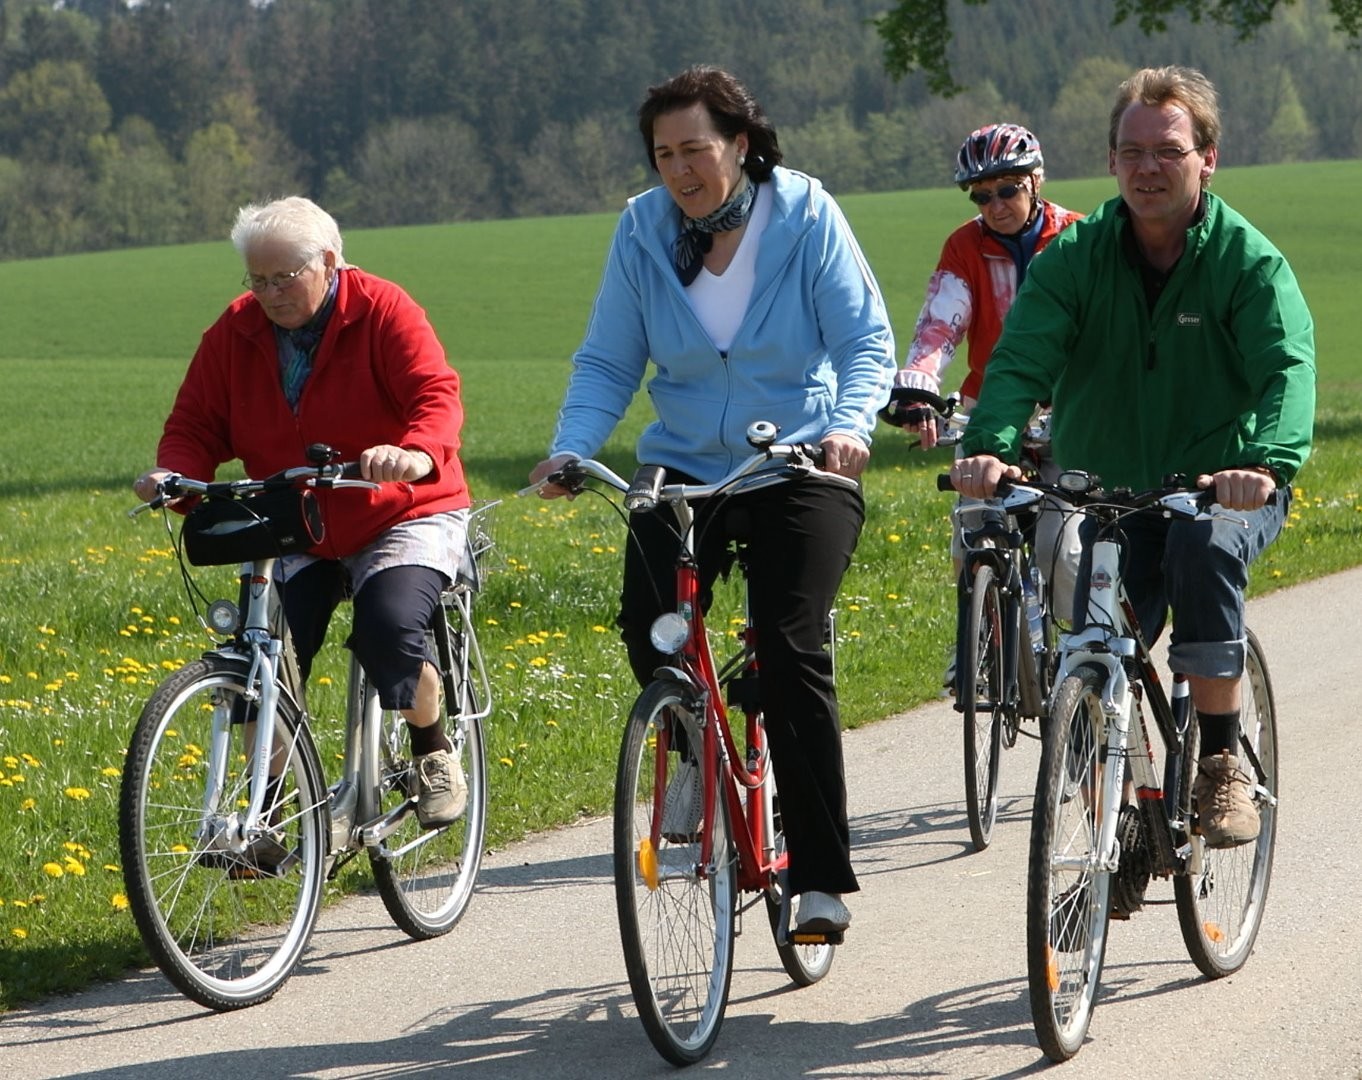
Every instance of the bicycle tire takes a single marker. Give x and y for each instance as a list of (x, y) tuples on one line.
[(1067, 897), (425, 877), (227, 928), (805, 964), (1221, 901), (981, 701), (676, 923)]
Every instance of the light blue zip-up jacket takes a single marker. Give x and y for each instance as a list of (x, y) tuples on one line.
[(814, 353)]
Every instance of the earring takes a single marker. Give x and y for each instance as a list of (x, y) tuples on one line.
[(742, 160)]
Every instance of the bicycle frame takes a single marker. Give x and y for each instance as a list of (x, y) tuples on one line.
[(1002, 548), (737, 773), (1108, 640)]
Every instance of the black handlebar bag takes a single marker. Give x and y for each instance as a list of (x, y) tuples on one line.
[(218, 532)]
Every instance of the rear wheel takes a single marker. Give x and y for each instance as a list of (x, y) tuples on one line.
[(981, 702), (805, 964), (426, 876), (226, 916), (1220, 899), (1067, 896), (676, 916)]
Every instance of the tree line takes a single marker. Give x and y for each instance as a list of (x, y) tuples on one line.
[(140, 122)]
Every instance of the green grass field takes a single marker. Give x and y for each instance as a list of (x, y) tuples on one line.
[(92, 612)]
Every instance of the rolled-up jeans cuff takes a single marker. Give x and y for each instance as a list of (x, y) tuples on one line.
[(1208, 659)]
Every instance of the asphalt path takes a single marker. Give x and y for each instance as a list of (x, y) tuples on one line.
[(931, 981)]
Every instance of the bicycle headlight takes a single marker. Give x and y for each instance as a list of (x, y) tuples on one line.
[(222, 616), (669, 633)]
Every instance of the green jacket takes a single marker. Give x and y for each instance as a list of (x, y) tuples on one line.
[(1221, 373)]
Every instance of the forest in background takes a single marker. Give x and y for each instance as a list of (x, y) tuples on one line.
[(145, 122)]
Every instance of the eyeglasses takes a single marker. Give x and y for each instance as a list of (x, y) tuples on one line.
[(281, 282), (1164, 155), (983, 198)]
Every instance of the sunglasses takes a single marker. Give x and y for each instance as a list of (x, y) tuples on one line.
[(983, 198)]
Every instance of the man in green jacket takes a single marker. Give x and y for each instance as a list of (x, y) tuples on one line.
[(1171, 337)]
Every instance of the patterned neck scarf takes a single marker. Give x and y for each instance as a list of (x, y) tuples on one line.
[(298, 347), (697, 234)]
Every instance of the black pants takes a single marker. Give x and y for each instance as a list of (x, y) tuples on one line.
[(800, 538), (392, 613)]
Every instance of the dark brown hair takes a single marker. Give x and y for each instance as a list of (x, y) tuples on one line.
[(730, 105)]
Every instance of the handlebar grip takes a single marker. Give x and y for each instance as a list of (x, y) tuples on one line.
[(644, 488), (897, 410), (816, 454), (350, 471), (1001, 488)]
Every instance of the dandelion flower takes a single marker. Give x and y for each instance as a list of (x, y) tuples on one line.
[(108, 770), (77, 793), (74, 866), (53, 870), (508, 762), (119, 902), (893, 538), (19, 932)]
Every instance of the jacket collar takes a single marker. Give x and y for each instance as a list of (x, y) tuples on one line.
[(656, 221), (352, 303)]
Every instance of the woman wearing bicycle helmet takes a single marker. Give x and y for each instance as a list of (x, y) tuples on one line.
[(982, 265)]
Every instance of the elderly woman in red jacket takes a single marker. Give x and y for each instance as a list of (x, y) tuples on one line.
[(320, 352)]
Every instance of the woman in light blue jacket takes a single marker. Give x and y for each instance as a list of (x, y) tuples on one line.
[(742, 283)]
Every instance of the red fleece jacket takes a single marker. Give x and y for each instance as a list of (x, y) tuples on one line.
[(379, 376)]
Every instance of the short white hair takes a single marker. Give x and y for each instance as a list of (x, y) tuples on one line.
[(294, 220)]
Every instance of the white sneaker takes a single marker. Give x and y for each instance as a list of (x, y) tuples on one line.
[(822, 913), (682, 805)]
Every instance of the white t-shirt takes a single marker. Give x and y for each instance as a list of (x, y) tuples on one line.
[(720, 300)]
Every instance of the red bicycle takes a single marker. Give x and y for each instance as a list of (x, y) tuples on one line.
[(679, 874)]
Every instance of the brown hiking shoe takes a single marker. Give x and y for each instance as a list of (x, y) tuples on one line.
[(1223, 794)]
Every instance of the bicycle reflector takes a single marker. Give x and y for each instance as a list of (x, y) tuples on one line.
[(222, 616), (669, 632)]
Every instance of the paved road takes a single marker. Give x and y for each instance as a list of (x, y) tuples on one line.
[(931, 981)]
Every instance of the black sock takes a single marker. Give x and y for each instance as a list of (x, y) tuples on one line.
[(427, 740), (1219, 731)]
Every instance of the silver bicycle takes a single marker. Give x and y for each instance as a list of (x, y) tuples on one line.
[(1114, 804), (227, 824)]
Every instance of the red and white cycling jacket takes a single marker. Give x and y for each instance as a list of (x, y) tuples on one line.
[(969, 293)]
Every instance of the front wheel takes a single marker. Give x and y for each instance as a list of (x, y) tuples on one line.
[(226, 916), (1067, 895), (676, 916), (981, 702), (1220, 899)]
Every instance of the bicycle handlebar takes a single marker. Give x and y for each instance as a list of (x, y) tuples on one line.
[(1176, 496), (648, 487), (332, 474)]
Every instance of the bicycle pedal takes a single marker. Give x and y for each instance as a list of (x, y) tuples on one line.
[(816, 937)]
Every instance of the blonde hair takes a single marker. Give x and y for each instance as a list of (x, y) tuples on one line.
[(1179, 85), (294, 220)]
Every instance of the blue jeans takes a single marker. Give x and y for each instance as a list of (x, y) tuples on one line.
[(1200, 570)]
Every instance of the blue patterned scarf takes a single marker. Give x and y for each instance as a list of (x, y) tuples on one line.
[(298, 347), (697, 234)]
